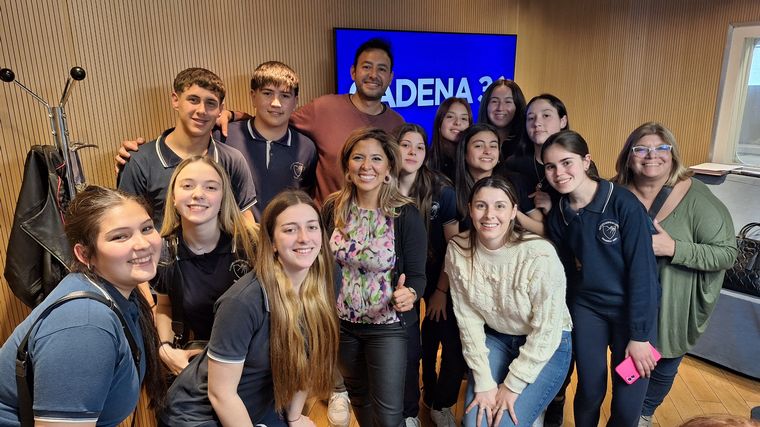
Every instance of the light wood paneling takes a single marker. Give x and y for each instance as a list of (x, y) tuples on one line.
[(617, 64), (131, 51)]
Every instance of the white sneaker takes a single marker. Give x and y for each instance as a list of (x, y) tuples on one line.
[(412, 422), (645, 421), (443, 418), (339, 409), (539, 420)]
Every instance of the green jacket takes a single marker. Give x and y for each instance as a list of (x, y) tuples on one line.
[(691, 280)]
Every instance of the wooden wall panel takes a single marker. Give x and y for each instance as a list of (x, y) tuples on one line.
[(617, 64), (131, 51)]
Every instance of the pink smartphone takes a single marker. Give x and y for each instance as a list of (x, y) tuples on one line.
[(627, 370)]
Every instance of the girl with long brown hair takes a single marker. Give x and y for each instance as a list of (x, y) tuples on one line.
[(503, 106), (434, 196), (454, 115), (509, 298), (85, 371), (275, 334)]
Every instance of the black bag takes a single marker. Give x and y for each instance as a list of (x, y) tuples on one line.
[(744, 276)]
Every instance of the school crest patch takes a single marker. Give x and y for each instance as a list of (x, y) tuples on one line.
[(608, 231), (239, 268), (297, 168), (434, 208)]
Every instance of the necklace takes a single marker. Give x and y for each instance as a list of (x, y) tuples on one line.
[(540, 179)]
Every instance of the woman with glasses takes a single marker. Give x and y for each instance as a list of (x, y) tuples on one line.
[(693, 240)]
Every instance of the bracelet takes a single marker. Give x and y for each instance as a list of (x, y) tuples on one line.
[(441, 290), (292, 421), (232, 116), (171, 344)]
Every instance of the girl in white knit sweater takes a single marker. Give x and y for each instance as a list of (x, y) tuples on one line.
[(509, 299)]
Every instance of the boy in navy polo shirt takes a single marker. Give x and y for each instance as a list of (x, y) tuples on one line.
[(278, 156), (198, 98)]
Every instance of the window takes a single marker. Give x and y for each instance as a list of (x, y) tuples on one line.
[(748, 145), (736, 137)]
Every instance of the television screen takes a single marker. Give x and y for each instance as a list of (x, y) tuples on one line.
[(429, 67)]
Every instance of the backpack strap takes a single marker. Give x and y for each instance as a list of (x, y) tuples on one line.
[(176, 291), (24, 371), (176, 296)]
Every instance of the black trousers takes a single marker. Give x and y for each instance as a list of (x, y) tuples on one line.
[(594, 331), (442, 390), (372, 359), (412, 379)]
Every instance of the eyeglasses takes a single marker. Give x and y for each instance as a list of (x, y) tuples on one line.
[(642, 151)]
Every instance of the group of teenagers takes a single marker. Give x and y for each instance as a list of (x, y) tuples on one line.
[(529, 263)]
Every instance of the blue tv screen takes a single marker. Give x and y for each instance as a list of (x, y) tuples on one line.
[(429, 67)]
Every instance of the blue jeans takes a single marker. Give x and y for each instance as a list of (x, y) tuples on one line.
[(660, 383), (503, 349)]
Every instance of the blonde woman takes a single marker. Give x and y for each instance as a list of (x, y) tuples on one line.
[(207, 245), (275, 333)]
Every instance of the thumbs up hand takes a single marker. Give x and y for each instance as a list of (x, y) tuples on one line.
[(403, 297)]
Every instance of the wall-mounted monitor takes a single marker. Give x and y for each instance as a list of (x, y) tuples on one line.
[(430, 67)]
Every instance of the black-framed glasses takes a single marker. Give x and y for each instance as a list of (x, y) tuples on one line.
[(642, 151)]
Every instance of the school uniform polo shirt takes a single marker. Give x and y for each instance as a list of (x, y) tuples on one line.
[(443, 211), (606, 248), (276, 165), (240, 336), (149, 171), (83, 367), (203, 279)]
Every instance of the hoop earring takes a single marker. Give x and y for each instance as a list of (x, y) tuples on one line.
[(387, 179)]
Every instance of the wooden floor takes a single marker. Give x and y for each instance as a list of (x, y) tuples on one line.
[(700, 389)]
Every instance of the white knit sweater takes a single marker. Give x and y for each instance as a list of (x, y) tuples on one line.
[(518, 290)]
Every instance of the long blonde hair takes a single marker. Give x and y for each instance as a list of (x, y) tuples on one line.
[(230, 220), (390, 196), (303, 337)]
